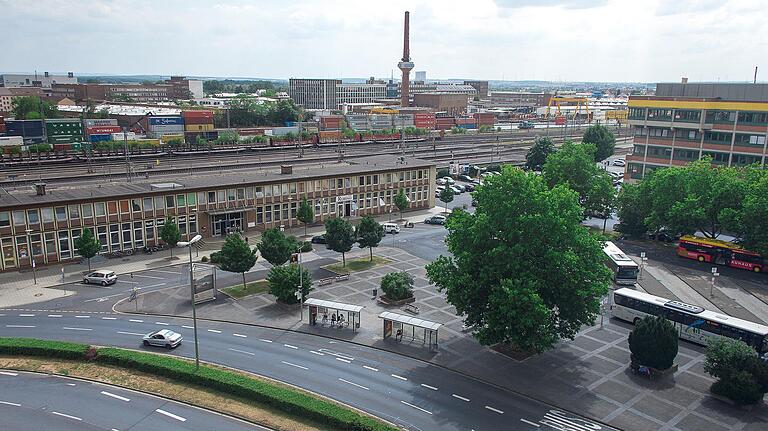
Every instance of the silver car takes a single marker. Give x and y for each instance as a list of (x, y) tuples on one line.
[(163, 338), (101, 276)]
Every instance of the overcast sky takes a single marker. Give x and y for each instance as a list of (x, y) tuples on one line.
[(561, 40)]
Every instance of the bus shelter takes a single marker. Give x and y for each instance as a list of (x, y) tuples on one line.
[(320, 309), (398, 323)]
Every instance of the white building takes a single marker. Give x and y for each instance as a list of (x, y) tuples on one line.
[(359, 93), (45, 80), (421, 75)]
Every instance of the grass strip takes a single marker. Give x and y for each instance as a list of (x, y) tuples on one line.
[(253, 288), (359, 264)]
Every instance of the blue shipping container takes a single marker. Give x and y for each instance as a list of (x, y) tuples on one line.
[(467, 126), (100, 138), (166, 121), (24, 127)]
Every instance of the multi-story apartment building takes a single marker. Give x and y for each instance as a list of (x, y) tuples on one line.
[(46, 80), (359, 93), (130, 215), (314, 93), (685, 122), (518, 99)]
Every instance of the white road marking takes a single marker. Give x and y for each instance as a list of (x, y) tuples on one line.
[(460, 397), (429, 387), (19, 326), (164, 272), (115, 396), (416, 407), (129, 333), (136, 320), (55, 315), (153, 285), (129, 282), (66, 416), (370, 368), (8, 403), (289, 346), (71, 384), (243, 351), (240, 335), (149, 276), (399, 377), (188, 327), (161, 323), (83, 317), (529, 422), (109, 318), (560, 420), (353, 384), (264, 340), (494, 410), (171, 415), (316, 353), (26, 315), (343, 360), (332, 353), (215, 331), (8, 373), (294, 365), (77, 329)]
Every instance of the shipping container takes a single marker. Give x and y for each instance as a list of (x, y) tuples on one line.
[(63, 139), (197, 114), (165, 121), (195, 120), (102, 130), (90, 122), (61, 147), (10, 141), (251, 131), (170, 128), (131, 136), (100, 138), (24, 127), (198, 128), (280, 131)]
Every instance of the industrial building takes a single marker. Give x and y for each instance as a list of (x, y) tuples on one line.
[(481, 87), (314, 93), (46, 80), (450, 103), (518, 99), (129, 215), (688, 121), (359, 93), (175, 88)]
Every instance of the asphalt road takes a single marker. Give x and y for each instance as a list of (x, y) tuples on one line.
[(408, 392), (31, 401)]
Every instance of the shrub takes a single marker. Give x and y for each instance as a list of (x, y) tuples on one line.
[(397, 285), (306, 246), (653, 342), (743, 377), (46, 348), (216, 257), (443, 173), (204, 259), (284, 282), (740, 387)]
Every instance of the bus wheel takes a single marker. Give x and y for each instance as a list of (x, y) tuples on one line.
[(701, 258), (756, 269)]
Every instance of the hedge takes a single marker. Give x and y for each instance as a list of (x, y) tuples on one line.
[(281, 398)]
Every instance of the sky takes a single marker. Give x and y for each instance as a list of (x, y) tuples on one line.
[(554, 40)]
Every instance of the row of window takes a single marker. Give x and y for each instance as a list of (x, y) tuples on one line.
[(685, 154), (693, 116)]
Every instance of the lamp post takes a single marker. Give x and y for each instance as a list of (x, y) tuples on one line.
[(29, 253), (189, 244), (197, 224), (642, 263), (300, 292), (712, 283)]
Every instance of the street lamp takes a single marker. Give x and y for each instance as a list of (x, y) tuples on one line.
[(197, 225), (712, 283), (642, 263), (189, 244), (300, 292), (31, 259)]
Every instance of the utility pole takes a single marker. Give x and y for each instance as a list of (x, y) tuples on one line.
[(127, 156)]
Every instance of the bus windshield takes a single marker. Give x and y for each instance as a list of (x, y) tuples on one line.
[(627, 272)]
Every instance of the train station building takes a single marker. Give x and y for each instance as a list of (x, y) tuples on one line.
[(47, 219)]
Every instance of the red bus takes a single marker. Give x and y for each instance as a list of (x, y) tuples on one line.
[(720, 252)]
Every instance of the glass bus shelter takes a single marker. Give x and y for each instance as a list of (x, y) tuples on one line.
[(319, 308), (396, 324)]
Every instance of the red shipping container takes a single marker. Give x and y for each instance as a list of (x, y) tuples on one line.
[(197, 120), (197, 114), (102, 130)]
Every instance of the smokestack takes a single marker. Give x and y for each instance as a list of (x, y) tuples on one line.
[(754, 80), (406, 36), (405, 64), (684, 80)]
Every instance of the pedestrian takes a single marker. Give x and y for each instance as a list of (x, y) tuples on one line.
[(333, 320), (341, 319), (325, 318)]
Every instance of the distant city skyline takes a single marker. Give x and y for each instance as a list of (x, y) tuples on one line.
[(513, 40)]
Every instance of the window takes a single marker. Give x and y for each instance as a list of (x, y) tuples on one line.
[(124, 207), (170, 202), (112, 206), (638, 150), (659, 152), (230, 195), (50, 242), (159, 203), (657, 132), (276, 212), (192, 224), (221, 196), (126, 227), (181, 201), (149, 230), (148, 204), (101, 209), (259, 215), (212, 197), (74, 212), (202, 198), (101, 234), (659, 114), (136, 205), (18, 218), (361, 181), (717, 137), (191, 199), (33, 216), (64, 250), (47, 214), (86, 210), (260, 192), (339, 183), (114, 236), (249, 192), (717, 158), (293, 187), (688, 116), (240, 194)]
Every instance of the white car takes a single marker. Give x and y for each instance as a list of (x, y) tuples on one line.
[(619, 162), (441, 181), (100, 276), (456, 190), (448, 180), (390, 228), (163, 338)]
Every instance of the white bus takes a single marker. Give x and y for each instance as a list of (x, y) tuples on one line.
[(623, 267), (692, 322)]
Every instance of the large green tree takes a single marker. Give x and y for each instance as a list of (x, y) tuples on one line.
[(446, 195), (276, 247), (369, 234), (285, 281), (573, 166), (32, 108), (87, 246), (603, 140), (523, 270), (339, 236), (397, 285), (653, 342), (401, 201), (750, 223), (601, 197), (237, 256), (170, 233), (305, 214), (537, 155), (632, 209)]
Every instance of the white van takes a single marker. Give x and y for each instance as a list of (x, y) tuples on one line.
[(390, 228)]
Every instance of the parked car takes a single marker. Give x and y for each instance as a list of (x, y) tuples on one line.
[(466, 178), (318, 239), (469, 187), (390, 228), (456, 190), (101, 276), (461, 187), (448, 180), (663, 235), (436, 219), (476, 182), (619, 162), (163, 338), (441, 181), (525, 125)]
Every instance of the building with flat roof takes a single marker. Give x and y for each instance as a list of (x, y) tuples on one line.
[(175, 88), (452, 103), (685, 122), (128, 215), (480, 86), (314, 93), (46, 80), (359, 93), (518, 99)]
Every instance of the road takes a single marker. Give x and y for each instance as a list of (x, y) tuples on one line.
[(411, 393), (31, 401)]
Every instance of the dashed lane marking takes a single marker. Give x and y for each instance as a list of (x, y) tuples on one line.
[(370, 368), (188, 327), (115, 396), (243, 351), (344, 360), (316, 353), (161, 323), (416, 407), (215, 331), (8, 403), (294, 365), (265, 340), (19, 326), (399, 377), (240, 335), (26, 315), (77, 329), (460, 397), (8, 373), (55, 315), (136, 320), (130, 333), (109, 318), (353, 384), (66, 416), (494, 410), (289, 346), (171, 415), (529, 422), (82, 317), (429, 387)]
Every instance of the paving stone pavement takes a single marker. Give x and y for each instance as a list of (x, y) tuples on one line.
[(588, 375)]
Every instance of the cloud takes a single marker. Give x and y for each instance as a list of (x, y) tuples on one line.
[(565, 4), (677, 7)]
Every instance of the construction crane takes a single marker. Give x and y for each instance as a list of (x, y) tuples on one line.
[(559, 101)]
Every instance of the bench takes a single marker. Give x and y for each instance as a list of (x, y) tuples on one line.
[(324, 281), (411, 308), (342, 277)]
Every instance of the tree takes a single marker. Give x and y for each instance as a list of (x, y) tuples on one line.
[(397, 285), (523, 270), (237, 256), (653, 342), (601, 197), (369, 234), (276, 247), (32, 108), (542, 147), (170, 234), (284, 282), (743, 377), (339, 236), (87, 246), (750, 222), (572, 166), (401, 201), (446, 195), (603, 140), (305, 214), (632, 210)]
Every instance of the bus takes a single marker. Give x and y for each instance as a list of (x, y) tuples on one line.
[(623, 267), (720, 252), (692, 322)]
